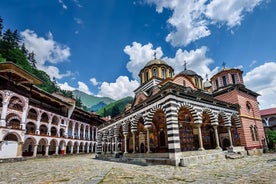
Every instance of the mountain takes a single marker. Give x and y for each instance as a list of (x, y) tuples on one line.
[(117, 106), (92, 102)]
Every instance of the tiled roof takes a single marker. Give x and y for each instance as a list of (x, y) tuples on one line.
[(266, 112)]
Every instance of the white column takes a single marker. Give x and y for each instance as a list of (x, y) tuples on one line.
[(200, 137), (134, 146), (4, 112), (37, 131), (88, 136), (78, 148), (35, 150), (47, 150), (72, 149), (56, 150), (24, 116), (93, 134), (230, 136), (116, 144), (73, 130), (125, 139), (216, 136), (148, 141), (79, 131)]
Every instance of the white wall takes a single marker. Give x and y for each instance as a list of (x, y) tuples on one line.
[(8, 149)]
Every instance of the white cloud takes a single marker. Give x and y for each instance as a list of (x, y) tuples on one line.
[(190, 19), (123, 87), (262, 80), (231, 12), (62, 4), (140, 54), (46, 50), (94, 81), (77, 3), (66, 86), (83, 87)]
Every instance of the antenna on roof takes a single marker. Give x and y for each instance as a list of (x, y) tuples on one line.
[(185, 65), (223, 65)]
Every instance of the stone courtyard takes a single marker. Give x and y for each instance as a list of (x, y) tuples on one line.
[(86, 169)]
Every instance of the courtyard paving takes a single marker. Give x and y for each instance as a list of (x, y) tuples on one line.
[(86, 169)]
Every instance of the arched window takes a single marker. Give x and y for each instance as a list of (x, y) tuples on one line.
[(163, 73), (254, 133), (146, 76), (224, 80), (154, 72)]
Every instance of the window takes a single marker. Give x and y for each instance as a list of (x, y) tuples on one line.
[(146, 76), (233, 78), (248, 107), (217, 84), (154, 73), (224, 80), (254, 133), (163, 73), (196, 81)]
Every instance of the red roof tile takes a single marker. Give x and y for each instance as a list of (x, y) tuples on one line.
[(266, 112)]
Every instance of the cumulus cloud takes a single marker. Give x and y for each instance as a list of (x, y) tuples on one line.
[(123, 87), (46, 50), (94, 81), (191, 19), (84, 88), (66, 86), (139, 55), (262, 80), (78, 21), (196, 59)]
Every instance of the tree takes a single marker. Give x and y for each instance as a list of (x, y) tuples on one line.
[(32, 60), (78, 102), (115, 111), (24, 49), (271, 134)]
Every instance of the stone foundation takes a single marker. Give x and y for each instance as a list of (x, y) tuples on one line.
[(255, 152)]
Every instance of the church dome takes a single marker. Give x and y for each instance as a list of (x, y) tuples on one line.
[(156, 62), (188, 73)]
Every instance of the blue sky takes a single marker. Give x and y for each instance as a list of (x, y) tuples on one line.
[(99, 46)]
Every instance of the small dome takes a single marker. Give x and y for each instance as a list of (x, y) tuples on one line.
[(156, 62), (188, 73)]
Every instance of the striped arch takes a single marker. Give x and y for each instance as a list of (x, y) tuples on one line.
[(151, 114), (213, 120), (13, 115), (126, 124), (225, 118), (236, 119), (196, 117), (134, 122)]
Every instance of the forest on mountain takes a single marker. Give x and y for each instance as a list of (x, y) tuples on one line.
[(12, 49)]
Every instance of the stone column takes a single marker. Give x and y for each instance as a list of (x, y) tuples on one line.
[(47, 150), (148, 140), (35, 150), (78, 148), (216, 136), (73, 130), (230, 136), (37, 131), (19, 149), (72, 149), (4, 112), (116, 144), (134, 145), (88, 136), (93, 134), (56, 150), (125, 139), (200, 137), (79, 131)]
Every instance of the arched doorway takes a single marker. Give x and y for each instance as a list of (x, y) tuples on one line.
[(223, 134), (158, 134), (140, 136), (52, 147), (187, 131), (62, 147), (75, 148), (28, 147), (81, 147), (53, 131), (69, 147), (235, 133), (10, 147), (208, 134), (41, 148), (13, 121), (43, 130)]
